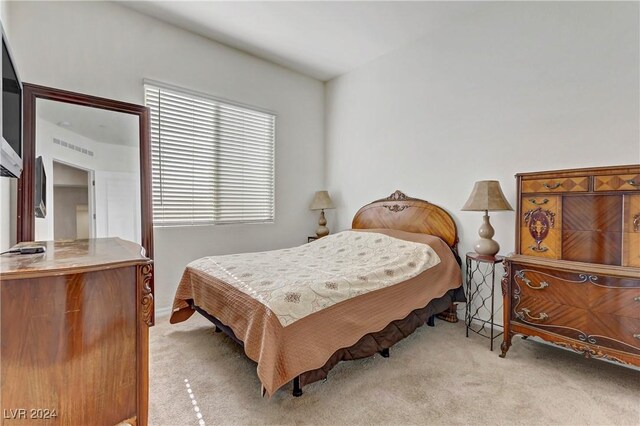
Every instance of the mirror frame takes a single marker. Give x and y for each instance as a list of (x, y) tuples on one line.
[(26, 182)]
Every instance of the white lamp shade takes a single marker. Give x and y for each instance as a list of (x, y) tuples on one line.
[(321, 200), (487, 195)]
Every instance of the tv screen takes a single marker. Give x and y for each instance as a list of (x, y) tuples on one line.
[(11, 142), (11, 104)]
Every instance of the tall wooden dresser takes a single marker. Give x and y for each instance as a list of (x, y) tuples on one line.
[(75, 329), (575, 280)]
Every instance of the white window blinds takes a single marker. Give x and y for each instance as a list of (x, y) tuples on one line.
[(213, 162)]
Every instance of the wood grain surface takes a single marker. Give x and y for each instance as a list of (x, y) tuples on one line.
[(75, 333), (554, 286), (592, 229), (581, 288), (70, 256), (617, 182), (631, 229), (550, 207), (398, 211), (561, 184)]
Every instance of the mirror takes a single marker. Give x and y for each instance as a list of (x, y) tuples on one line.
[(91, 161), (86, 169)]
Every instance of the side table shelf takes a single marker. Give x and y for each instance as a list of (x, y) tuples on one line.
[(480, 281)]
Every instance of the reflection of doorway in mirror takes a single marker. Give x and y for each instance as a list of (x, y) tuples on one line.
[(72, 202), (105, 144)]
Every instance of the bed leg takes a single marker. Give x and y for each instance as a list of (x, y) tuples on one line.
[(385, 353), (297, 390), (431, 321)]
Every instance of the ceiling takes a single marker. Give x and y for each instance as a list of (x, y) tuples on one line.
[(322, 39), (101, 125)]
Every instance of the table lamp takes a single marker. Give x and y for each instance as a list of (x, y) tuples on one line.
[(321, 201), (486, 196)]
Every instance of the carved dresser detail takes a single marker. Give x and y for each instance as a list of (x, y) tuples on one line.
[(75, 332), (575, 280)]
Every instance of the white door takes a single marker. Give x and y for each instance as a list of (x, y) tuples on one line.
[(117, 205)]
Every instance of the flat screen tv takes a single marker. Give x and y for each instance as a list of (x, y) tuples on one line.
[(40, 194), (11, 120)]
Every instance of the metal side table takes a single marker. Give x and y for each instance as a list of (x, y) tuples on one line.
[(480, 280)]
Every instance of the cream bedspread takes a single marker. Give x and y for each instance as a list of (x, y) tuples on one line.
[(299, 281), (284, 352)]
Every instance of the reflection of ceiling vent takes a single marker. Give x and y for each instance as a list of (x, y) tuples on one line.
[(73, 147)]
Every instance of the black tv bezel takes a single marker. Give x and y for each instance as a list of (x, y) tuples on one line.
[(11, 162)]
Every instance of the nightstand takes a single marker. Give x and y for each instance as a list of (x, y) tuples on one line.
[(480, 281)]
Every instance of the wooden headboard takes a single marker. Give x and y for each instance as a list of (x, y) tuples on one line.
[(403, 213)]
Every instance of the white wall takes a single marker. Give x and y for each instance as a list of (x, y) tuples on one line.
[(519, 86), (4, 12), (105, 49)]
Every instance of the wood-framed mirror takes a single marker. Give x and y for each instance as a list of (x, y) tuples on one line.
[(91, 154)]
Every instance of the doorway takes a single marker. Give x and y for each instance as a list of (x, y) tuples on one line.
[(72, 202)]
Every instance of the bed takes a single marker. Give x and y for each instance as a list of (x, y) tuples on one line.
[(298, 312)]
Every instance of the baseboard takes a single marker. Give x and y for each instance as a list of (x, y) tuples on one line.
[(162, 312)]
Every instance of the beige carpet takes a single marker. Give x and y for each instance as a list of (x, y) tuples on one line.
[(435, 376)]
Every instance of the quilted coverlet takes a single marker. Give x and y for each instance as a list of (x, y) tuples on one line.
[(294, 308), (299, 281)]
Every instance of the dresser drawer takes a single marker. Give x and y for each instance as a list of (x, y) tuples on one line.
[(612, 331), (597, 293), (628, 182), (620, 301), (557, 318), (548, 202), (570, 184), (607, 330), (559, 287)]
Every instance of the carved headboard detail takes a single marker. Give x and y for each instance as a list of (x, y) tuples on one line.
[(398, 211)]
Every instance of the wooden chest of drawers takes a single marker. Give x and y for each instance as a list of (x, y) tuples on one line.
[(75, 330), (575, 280)]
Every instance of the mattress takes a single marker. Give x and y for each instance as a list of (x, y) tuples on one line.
[(286, 349)]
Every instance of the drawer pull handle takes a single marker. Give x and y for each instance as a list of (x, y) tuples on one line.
[(541, 317), (539, 249), (543, 284), (535, 202), (637, 336), (553, 186), (636, 223), (637, 298), (633, 182), (527, 281)]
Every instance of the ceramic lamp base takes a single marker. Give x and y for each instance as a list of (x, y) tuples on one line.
[(485, 245), (322, 230)]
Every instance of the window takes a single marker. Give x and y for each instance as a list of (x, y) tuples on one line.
[(213, 162)]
